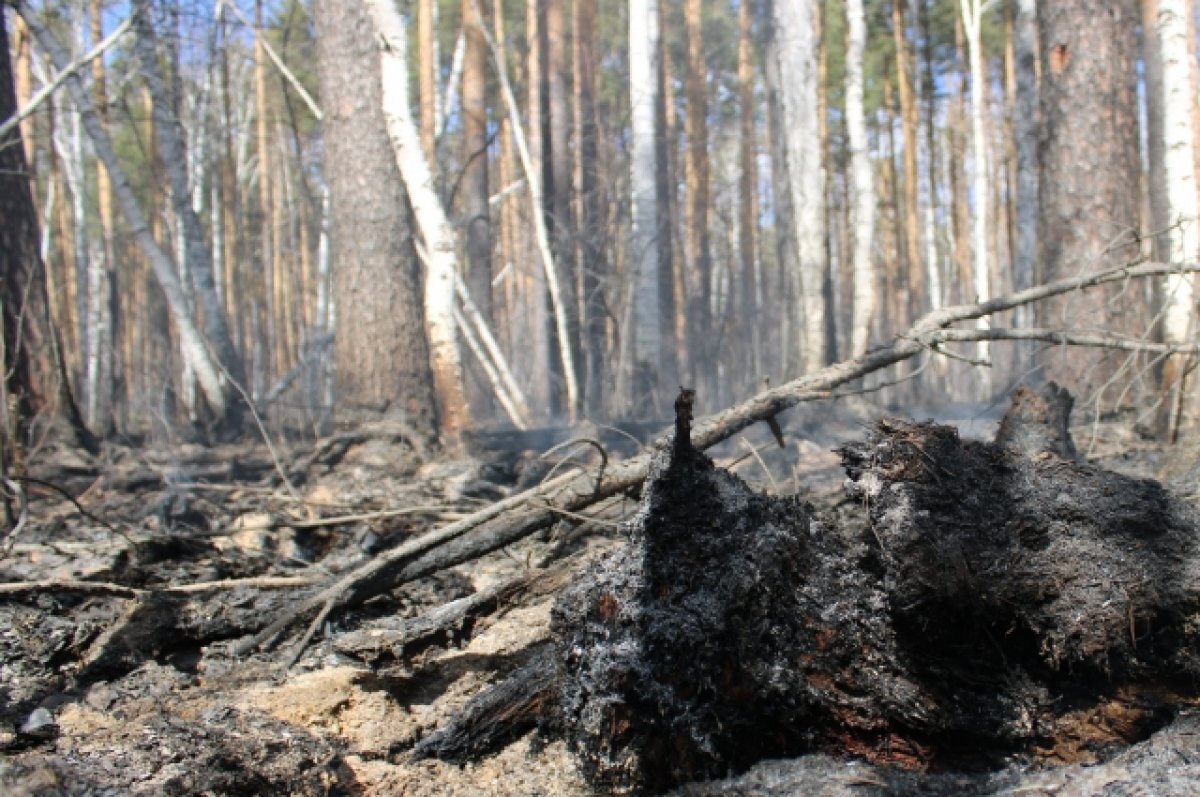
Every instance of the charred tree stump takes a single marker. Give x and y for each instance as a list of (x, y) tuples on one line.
[(1001, 597)]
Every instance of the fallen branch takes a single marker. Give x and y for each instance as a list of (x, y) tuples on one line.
[(515, 518)]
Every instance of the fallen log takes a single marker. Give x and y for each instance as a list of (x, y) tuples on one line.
[(515, 518), (1001, 596)]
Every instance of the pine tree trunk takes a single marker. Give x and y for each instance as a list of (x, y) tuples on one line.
[(749, 331), (1089, 201), (591, 262), (383, 359), (427, 77), (914, 266), (1025, 131), (696, 219)]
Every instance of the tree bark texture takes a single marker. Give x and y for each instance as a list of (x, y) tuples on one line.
[(382, 355), (644, 167), (1088, 152), (701, 335)]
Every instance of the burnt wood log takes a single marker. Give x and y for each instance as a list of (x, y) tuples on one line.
[(1000, 590)]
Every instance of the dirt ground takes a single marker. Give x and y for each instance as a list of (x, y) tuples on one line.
[(90, 707)]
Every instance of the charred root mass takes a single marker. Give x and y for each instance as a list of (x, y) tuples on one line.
[(733, 627), (1001, 590)]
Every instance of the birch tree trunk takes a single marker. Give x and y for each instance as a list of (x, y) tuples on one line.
[(102, 271), (643, 93), (863, 310), (796, 51), (972, 15), (431, 220), (1179, 174), (192, 341)]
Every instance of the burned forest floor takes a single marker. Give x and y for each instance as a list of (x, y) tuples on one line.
[(128, 592)]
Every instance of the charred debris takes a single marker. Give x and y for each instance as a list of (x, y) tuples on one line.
[(1002, 598)]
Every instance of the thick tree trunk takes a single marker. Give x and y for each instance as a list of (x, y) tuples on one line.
[(474, 185), (1088, 199), (383, 359)]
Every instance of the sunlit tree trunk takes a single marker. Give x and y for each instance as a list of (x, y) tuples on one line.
[(972, 15), (473, 188), (862, 181), (794, 22), (383, 360), (672, 297), (536, 299), (1179, 175), (427, 77), (914, 270), (393, 131), (643, 92), (1089, 202)]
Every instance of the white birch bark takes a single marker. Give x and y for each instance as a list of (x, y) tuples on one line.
[(972, 14), (1179, 165), (431, 219), (863, 307), (192, 341), (797, 51), (1025, 125), (643, 93)]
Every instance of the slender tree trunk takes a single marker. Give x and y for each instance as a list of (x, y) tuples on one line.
[(672, 297), (696, 220), (914, 266), (646, 330), (1025, 131), (1089, 157), (972, 14), (102, 272), (427, 77), (862, 181), (794, 20), (747, 202), (383, 359), (1179, 173), (591, 263), (543, 362), (474, 183)]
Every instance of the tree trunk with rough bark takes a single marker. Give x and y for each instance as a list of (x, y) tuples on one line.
[(1088, 200), (383, 358), (644, 167)]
